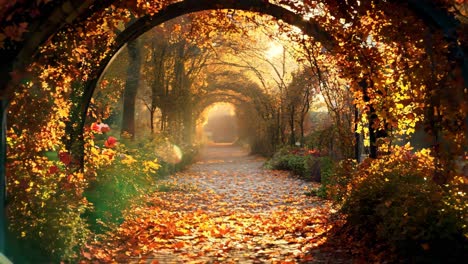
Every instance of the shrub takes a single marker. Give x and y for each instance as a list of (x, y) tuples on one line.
[(133, 172), (301, 162), (116, 187), (327, 177), (394, 200), (44, 211), (285, 160), (279, 161), (297, 165), (335, 180)]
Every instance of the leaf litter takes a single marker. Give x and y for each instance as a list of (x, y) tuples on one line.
[(228, 209)]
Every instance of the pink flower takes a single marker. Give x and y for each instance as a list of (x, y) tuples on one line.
[(100, 127), (105, 128)]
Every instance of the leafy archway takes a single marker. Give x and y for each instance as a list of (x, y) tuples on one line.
[(159, 12), (146, 22), (254, 108), (162, 11)]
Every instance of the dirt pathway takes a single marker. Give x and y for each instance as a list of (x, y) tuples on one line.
[(228, 210)]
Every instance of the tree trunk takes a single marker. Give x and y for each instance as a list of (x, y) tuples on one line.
[(304, 113), (188, 128), (292, 136), (73, 139), (357, 138), (131, 87), (372, 116), (373, 149), (188, 118), (158, 89), (152, 120), (301, 125), (280, 130), (3, 150), (162, 124)]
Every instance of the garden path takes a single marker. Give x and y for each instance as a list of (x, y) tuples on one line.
[(226, 208)]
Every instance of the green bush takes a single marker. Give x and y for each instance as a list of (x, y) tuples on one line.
[(289, 162), (44, 214), (279, 161), (128, 177), (336, 179), (58, 237), (393, 200), (301, 163), (297, 165), (115, 188), (327, 176)]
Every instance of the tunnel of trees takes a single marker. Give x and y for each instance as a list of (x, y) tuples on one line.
[(80, 74)]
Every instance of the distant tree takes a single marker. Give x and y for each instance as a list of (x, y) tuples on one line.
[(131, 87), (299, 94)]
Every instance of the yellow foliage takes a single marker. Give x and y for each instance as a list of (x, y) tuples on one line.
[(402, 160), (151, 166), (128, 160)]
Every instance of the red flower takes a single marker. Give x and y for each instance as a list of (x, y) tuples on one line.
[(65, 158), (95, 127), (53, 169), (110, 142), (100, 127)]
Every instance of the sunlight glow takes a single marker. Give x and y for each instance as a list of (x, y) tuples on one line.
[(274, 50), (220, 109), (169, 153), (212, 112)]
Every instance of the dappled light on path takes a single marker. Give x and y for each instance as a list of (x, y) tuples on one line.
[(225, 208)]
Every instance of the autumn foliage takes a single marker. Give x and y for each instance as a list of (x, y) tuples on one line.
[(392, 200), (386, 75)]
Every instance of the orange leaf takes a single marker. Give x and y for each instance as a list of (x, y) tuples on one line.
[(179, 245), (87, 255)]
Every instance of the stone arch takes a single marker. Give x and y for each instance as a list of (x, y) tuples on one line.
[(55, 16), (145, 23)]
